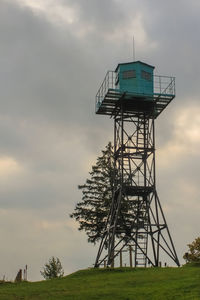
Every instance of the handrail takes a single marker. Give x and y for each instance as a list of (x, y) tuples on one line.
[(162, 85)]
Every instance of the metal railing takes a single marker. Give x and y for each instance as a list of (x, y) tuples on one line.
[(162, 85), (108, 83)]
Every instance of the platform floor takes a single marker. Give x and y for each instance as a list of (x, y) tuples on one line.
[(151, 105)]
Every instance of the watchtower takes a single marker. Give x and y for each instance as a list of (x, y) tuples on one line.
[(134, 97)]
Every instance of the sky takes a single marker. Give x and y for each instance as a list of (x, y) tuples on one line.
[(53, 58)]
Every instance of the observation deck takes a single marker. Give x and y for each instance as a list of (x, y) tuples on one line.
[(111, 96)]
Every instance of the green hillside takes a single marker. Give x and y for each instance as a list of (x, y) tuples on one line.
[(125, 283)]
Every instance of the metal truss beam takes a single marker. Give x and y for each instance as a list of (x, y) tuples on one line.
[(136, 217)]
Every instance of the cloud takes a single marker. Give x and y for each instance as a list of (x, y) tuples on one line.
[(54, 56), (8, 166), (185, 139), (31, 233), (58, 12)]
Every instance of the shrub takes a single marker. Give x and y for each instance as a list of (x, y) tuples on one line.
[(52, 269)]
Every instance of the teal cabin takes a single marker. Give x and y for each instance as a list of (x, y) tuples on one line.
[(135, 78)]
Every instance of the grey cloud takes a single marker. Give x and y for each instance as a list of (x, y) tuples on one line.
[(49, 75)]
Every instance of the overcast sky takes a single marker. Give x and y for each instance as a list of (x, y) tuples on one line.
[(53, 57)]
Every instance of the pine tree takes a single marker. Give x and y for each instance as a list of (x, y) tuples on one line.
[(92, 211)]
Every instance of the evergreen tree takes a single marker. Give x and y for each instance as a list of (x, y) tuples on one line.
[(92, 211)]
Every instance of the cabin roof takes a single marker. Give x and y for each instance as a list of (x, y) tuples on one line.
[(133, 62)]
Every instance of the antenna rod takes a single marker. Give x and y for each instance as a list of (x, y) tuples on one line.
[(133, 48)]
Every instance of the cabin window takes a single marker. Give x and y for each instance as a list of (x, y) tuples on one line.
[(129, 74), (146, 75)]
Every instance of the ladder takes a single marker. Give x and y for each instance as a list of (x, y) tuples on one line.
[(140, 252), (142, 133)]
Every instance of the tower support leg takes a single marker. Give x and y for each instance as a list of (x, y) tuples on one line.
[(136, 219)]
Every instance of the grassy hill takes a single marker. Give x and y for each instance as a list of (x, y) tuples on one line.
[(124, 283)]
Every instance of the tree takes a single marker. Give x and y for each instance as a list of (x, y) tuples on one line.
[(193, 255), (92, 211), (52, 269)]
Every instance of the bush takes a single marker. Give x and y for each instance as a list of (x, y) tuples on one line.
[(193, 255), (52, 269)]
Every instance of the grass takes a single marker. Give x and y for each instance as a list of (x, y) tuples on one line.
[(124, 283)]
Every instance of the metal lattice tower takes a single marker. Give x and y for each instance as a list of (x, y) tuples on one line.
[(134, 97)]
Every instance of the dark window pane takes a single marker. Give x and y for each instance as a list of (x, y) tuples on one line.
[(129, 74), (146, 75)]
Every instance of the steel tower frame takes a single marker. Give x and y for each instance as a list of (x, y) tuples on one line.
[(136, 217)]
